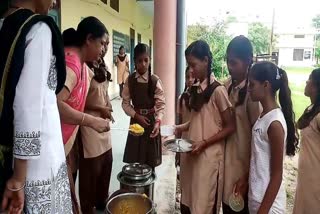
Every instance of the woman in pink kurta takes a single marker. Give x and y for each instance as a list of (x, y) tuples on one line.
[(82, 45), (211, 121)]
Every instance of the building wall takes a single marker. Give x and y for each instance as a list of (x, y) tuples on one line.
[(130, 15), (287, 43), (288, 40), (286, 58)]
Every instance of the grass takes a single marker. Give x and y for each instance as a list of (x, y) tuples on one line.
[(298, 70), (300, 101)]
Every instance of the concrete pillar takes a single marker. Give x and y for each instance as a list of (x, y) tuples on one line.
[(165, 14), (181, 45)]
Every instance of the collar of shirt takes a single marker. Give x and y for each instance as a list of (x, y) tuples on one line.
[(204, 84), (144, 76), (241, 85)]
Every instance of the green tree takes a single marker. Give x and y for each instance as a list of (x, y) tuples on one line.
[(316, 24), (259, 36), (316, 21), (215, 35), (317, 52)]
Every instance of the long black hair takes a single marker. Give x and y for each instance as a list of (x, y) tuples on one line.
[(241, 48), (121, 47), (309, 114), (140, 49), (277, 77), (200, 50), (186, 94), (88, 26)]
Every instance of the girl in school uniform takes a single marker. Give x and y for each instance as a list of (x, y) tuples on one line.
[(211, 121), (308, 190), (237, 153), (143, 100), (273, 135), (95, 149)]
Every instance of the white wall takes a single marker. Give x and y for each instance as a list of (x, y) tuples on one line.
[(288, 40), (286, 58)]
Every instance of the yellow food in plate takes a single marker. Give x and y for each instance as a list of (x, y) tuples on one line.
[(136, 129)]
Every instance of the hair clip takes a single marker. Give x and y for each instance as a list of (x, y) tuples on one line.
[(278, 76)]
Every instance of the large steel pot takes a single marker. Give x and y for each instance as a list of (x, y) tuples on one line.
[(129, 203), (137, 178)]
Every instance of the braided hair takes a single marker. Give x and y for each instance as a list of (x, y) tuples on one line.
[(140, 49), (185, 95), (309, 114), (241, 48)]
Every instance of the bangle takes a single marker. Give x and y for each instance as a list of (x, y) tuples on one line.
[(16, 189), (83, 116)]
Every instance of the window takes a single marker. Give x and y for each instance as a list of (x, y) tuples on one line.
[(298, 54), (114, 4), (105, 1), (299, 36), (307, 55), (139, 38)]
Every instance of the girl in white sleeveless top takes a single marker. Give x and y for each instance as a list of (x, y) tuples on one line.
[(273, 135)]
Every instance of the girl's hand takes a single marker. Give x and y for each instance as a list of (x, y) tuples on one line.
[(262, 211), (198, 147), (156, 130), (142, 120), (13, 201), (106, 112), (178, 130), (100, 125), (241, 186)]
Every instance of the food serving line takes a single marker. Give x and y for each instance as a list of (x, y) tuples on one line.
[(136, 194)]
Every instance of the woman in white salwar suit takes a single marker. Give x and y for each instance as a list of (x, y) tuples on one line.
[(39, 181)]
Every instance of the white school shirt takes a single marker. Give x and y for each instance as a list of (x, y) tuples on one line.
[(260, 163)]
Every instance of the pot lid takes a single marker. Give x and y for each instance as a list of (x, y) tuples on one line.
[(137, 170)]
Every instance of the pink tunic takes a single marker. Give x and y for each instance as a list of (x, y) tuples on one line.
[(77, 98)]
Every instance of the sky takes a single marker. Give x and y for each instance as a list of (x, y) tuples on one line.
[(289, 14)]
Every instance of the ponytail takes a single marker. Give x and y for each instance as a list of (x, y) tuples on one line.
[(287, 109), (70, 38), (209, 66), (183, 96)]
